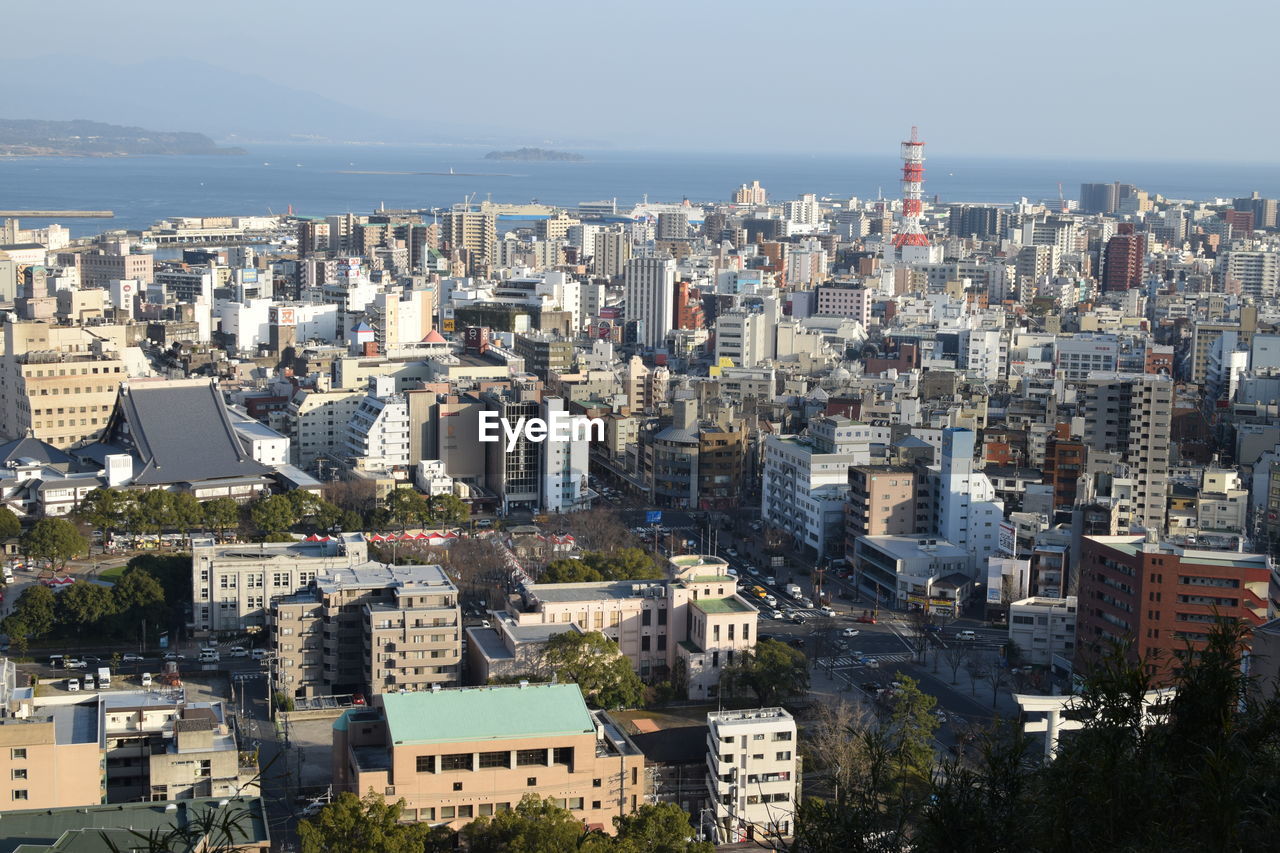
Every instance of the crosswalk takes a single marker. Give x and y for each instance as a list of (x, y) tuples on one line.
[(849, 660)]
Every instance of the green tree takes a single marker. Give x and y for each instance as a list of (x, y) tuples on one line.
[(33, 613), (407, 507), (597, 666), (368, 825), (569, 571), (54, 539), (772, 671), (221, 514), (138, 596), (105, 509), (155, 511), (535, 825), (187, 514), (448, 509), (911, 726), (10, 526), (84, 605), (272, 514), (171, 571), (662, 828)]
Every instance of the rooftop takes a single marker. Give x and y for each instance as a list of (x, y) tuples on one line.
[(592, 590), (82, 828), (375, 575), (722, 605), (468, 714)]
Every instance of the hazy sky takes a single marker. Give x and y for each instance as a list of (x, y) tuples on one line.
[(1117, 80)]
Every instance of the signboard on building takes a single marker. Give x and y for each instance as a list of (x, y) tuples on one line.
[(1007, 539)]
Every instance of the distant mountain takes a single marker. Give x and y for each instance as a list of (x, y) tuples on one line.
[(79, 138), (224, 104), (533, 155)]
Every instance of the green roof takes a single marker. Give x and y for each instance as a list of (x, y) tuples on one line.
[(722, 605), (486, 713), (712, 578), (80, 829)]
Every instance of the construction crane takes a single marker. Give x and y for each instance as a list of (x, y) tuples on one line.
[(1062, 200)]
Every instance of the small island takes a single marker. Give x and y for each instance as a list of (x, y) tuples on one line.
[(34, 138), (535, 155)]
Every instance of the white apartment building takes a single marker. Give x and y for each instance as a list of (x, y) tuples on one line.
[(753, 775), (968, 513), (564, 466), (742, 338), (650, 296), (378, 431), (1080, 355), (318, 422), (1043, 627)]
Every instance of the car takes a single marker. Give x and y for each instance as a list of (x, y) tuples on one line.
[(850, 632), (485, 522), (88, 681), (258, 654), (770, 600), (871, 663), (313, 808), (131, 658), (238, 652), (73, 663), (73, 685), (57, 661), (866, 619), (797, 618), (732, 552), (966, 636), (806, 601), (752, 570), (933, 629), (842, 645), (731, 572), (91, 660), (798, 642), (776, 614), (872, 686), (146, 679), (827, 611), (174, 656), (771, 580), (940, 714), (358, 699)]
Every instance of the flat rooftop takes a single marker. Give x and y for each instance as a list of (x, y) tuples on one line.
[(375, 575), (477, 714), (722, 605), (590, 591)]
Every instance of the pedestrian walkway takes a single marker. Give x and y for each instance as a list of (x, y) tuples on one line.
[(861, 660)]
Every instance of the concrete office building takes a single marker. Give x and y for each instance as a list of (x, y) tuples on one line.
[(611, 252), (882, 502), (753, 774), (233, 583), (456, 755), (377, 435), (375, 627), (1042, 628), (902, 571), (650, 290), (317, 421), (1131, 415)]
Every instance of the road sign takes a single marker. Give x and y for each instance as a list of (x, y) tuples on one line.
[(653, 517)]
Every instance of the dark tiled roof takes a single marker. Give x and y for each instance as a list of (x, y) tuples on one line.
[(32, 448), (180, 433)]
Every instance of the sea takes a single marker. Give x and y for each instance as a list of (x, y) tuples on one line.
[(323, 179)]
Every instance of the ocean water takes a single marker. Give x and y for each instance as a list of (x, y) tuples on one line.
[(326, 179)]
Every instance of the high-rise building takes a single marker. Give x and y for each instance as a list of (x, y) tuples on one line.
[(985, 222), (1123, 259), (1131, 414), (753, 195), (471, 232), (672, 225), (650, 298), (1098, 198), (1256, 272), (611, 251), (1163, 598)]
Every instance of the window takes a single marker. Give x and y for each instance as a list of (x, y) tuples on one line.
[(532, 781), (20, 794), (20, 773), (644, 643), (486, 809), (446, 812), (427, 814), (575, 803), (426, 764), (757, 736), (18, 754), (562, 755), (782, 735), (531, 757), (646, 617), (783, 756), (662, 642), (455, 761), (495, 759), (595, 783), (595, 804)]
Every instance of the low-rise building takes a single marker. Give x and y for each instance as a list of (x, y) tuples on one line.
[(1043, 627), (455, 755), (753, 774), (903, 571)]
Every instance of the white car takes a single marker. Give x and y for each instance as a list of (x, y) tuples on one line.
[(771, 601), (731, 572), (732, 552), (238, 652), (75, 663), (131, 658), (258, 654), (776, 614), (827, 611), (967, 636), (849, 632), (312, 808), (146, 679), (73, 685)]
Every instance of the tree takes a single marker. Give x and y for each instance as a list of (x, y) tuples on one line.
[(171, 571), (956, 654), (569, 570), (662, 828), (272, 514), (997, 676), (227, 827), (54, 539), (187, 514), (155, 511), (10, 526), (597, 666), (352, 823), (910, 727), (535, 825), (407, 507), (84, 605), (448, 509), (105, 509), (138, 596), (220, 514), (33, 613), (773, 671), (621, 565)]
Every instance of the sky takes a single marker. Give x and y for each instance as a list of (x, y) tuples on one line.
[(1125, 79)]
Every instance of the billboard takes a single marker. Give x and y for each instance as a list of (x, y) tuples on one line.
[(1007, 539)]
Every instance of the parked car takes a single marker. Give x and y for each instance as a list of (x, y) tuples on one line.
[(131, 658), (358, 699), (967, 636), (88, 681), (73, 685)]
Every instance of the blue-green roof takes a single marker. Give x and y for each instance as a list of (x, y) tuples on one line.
[(486, 713)]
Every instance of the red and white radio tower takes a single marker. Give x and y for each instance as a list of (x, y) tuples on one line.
[(909, 232)]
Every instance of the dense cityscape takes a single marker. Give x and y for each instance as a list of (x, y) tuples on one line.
[(802, 524)]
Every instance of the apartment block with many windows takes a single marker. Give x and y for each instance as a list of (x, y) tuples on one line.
[(753, 774)]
